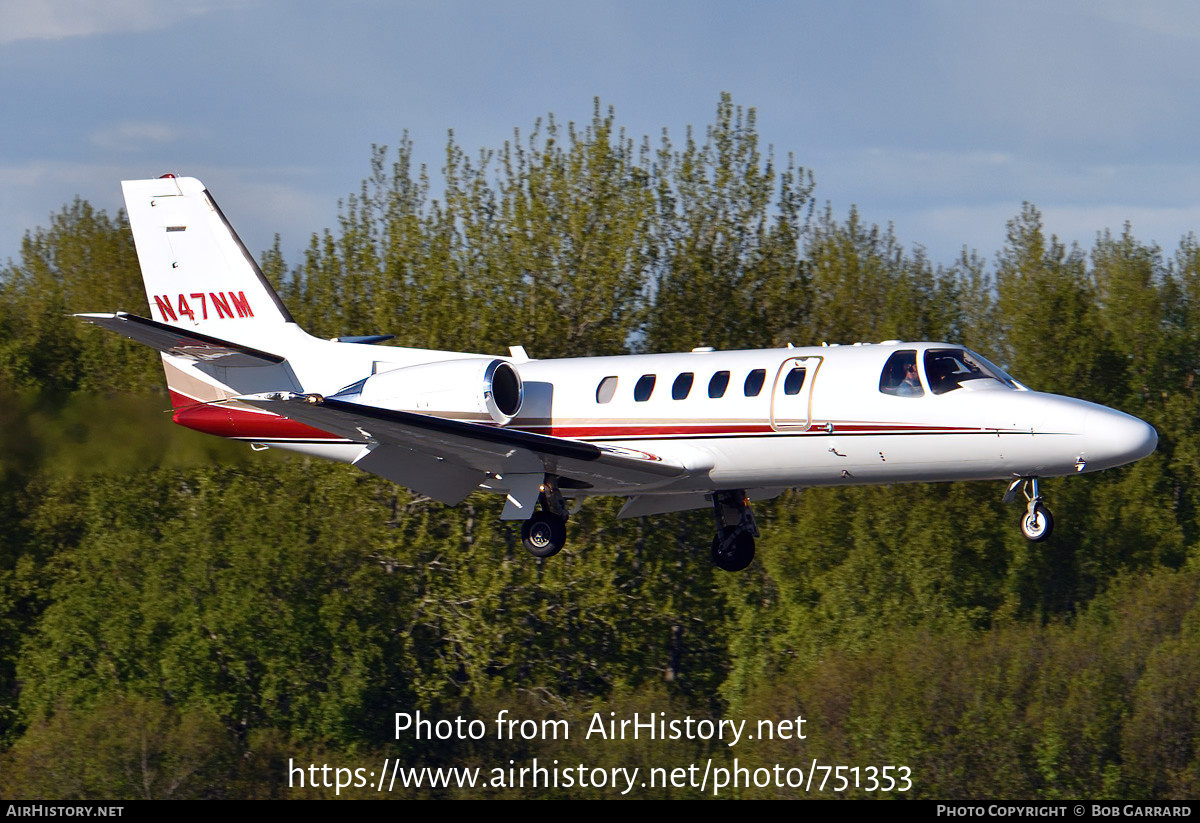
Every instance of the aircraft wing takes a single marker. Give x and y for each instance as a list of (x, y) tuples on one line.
[(189, 344), (448, 459)]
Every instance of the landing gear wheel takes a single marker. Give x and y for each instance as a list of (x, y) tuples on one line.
[(733, 547), (544, 534), (1037, 523), (733, 555)]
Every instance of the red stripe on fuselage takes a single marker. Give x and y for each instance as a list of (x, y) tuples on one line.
[(223, 420), (616, 430), (700, 430)]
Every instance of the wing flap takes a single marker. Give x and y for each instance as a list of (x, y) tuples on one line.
[(645, 504), (490, 451), (446, 482)]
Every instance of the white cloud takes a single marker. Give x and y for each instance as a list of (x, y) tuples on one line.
[(1169, 18), (1164, 226), (60, 19), (1064, 76), (134, 136), (982, 228), (943, 200), (896, 175), (34, 191)]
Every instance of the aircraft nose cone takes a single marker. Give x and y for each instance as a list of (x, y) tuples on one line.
[(1115, 438)]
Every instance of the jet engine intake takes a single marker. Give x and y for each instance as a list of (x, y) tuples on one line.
[(465, 389)]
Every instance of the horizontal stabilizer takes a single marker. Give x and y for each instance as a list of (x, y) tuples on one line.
[(176, 341)]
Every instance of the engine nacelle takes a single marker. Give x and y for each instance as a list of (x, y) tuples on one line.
[(462, 389)]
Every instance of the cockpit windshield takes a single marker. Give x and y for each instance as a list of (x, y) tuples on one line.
[(948, 369)]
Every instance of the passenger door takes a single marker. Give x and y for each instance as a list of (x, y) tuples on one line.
[(791, 395)]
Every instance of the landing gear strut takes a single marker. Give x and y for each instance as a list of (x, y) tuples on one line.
[(545, 533), (1037, 522), (733, 547)]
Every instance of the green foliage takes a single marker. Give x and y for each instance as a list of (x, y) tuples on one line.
[(126, 748), (85, 261), (1103, 706), (1048, 308), (720, 240), (553, 251), (864, 286)]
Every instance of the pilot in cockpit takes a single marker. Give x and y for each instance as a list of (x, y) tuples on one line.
[(910, 386), (900, 376)]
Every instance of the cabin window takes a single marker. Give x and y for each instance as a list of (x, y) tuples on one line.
[(606, 390), (718, 384), (644, 388), (682, 386), (899, 376), (794, 381), (754, 382)]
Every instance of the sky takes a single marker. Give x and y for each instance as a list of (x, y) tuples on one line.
[(940, 118)]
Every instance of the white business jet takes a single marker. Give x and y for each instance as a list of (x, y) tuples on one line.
[(670, 432)]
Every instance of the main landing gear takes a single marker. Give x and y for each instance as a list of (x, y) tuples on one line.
[(545, 533), (733, 547), (1037, 522)]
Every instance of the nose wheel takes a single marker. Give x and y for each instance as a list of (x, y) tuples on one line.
[(733, 547), (1037, 523)]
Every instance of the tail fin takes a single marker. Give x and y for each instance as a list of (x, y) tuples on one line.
[(198, 274), (222, 330)]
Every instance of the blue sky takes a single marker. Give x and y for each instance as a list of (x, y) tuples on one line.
[(940, 117)]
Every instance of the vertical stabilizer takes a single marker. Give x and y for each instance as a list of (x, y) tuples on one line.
[(198, 274), (222, 330)]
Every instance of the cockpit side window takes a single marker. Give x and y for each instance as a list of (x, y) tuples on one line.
[(899, 376), (948, 369)]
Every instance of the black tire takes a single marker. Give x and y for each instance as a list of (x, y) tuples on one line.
[(544, 534), (1036, 527), (736, 556)]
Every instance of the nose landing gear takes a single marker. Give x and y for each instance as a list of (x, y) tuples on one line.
[(733, 547), (1037, 522)]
